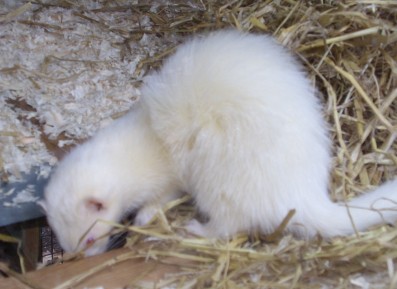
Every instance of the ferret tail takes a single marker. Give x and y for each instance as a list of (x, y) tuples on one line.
[(372, 208)]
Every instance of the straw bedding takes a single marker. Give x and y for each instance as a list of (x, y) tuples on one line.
[(68, 67)]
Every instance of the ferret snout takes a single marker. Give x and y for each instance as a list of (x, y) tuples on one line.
[(90, 241)]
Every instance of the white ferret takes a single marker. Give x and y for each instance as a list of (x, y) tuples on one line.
[(231, 119)]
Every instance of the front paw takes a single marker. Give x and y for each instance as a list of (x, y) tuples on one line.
[(146, 215)]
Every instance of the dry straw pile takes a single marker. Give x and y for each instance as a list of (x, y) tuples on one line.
[(350, 51)]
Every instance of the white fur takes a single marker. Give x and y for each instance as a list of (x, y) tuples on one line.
[(248, 139), (123, 167), (232, 120)]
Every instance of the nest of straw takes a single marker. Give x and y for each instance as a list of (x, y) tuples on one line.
[(349, 49)]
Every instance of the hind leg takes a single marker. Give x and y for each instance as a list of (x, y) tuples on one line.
[(198, 229)]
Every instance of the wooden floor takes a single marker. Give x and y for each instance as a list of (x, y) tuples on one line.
[(109, 272)]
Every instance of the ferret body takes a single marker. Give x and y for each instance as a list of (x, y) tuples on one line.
[(232, 120)]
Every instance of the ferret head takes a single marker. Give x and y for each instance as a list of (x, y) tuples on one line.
[(81, 196), (120, 169)]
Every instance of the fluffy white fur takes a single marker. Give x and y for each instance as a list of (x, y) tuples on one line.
[(248, 139), (230, 119), (124, 167)]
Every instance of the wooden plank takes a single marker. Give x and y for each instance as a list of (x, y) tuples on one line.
[(31, 246), (119, 275), (11, 283)]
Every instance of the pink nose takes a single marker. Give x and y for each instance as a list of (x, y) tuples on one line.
[(90, 241)]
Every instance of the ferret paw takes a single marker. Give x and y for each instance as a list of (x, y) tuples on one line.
[(196, 228), (145, 215)]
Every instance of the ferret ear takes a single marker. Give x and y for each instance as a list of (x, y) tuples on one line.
[(43, 205), (95, 205)]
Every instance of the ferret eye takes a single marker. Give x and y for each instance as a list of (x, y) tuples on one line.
[(98, 206), (95, 205)]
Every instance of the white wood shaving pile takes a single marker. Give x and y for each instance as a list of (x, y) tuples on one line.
[(70, 70)]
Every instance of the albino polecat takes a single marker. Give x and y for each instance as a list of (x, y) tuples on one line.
[(231, 119)]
